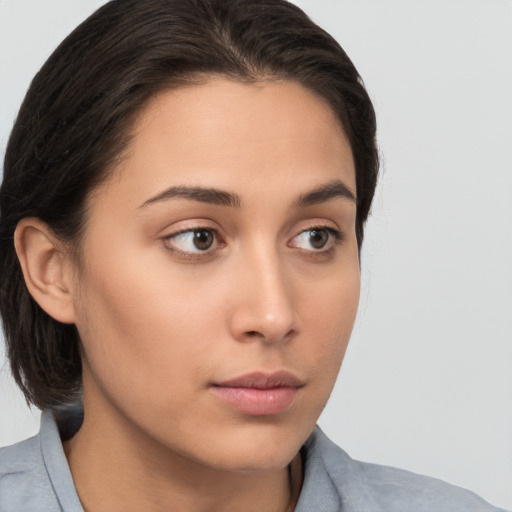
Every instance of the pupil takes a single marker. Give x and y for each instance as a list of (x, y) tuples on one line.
[(203, 239), (318, 238)]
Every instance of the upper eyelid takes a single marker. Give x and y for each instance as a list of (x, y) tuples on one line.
[(333, 229), (191, 255), (190, 230), (198, 225), (336, 233)]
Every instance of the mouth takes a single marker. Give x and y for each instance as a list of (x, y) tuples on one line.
[(259, 394)]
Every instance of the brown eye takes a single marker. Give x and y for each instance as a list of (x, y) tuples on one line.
[(318, 238), (193, 241), (203, 239)]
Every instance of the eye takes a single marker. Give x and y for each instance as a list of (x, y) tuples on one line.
[(192, 241), (319, 239)]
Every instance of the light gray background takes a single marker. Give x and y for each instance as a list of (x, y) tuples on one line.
[(427, 381)]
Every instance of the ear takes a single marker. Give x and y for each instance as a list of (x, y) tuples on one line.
[(46, 268)]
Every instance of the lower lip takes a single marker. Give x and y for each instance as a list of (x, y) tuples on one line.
[(257, 402)]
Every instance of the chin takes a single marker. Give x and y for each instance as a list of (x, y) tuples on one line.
[(257, 448), (254, 461)]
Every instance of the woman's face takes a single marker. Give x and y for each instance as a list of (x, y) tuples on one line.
[(219, 277)]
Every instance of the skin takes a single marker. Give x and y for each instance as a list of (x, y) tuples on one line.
[(161, 320)]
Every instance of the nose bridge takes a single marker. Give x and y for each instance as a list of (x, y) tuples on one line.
[(264, 306)]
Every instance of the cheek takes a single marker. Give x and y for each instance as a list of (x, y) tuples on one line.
[(327, 326), (329, 318), (148, 326), (329, 305), (139, 324)]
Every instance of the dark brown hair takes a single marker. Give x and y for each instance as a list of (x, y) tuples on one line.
[(76, 117)]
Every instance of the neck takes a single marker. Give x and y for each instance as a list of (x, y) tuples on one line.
[(115, 468)]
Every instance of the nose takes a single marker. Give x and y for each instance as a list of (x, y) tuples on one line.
[(263, 303)]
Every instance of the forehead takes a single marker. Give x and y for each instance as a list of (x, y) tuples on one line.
[(232, 135)]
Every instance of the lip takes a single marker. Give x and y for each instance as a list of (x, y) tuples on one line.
[(259, 393)]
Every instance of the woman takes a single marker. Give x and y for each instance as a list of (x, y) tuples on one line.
[(183, 207)]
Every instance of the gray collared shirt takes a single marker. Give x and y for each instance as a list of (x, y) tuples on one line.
[(35, 477)]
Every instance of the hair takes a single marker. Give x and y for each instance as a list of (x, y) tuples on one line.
[(76, 118)]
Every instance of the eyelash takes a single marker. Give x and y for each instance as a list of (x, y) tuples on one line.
[(335, 235), (190, 255)]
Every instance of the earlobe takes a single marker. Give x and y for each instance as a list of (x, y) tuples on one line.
[(44, 265)]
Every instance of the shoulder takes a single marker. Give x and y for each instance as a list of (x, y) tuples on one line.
[(401, 489), (19, 456), (24, 482), (20, 462), (382, 488)]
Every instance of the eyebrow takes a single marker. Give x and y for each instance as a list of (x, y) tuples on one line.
[(201, 194), (321, 194)]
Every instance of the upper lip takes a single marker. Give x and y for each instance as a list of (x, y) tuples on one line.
[(262, 380)]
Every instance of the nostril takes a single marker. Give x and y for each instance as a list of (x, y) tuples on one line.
[(257, 335)]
